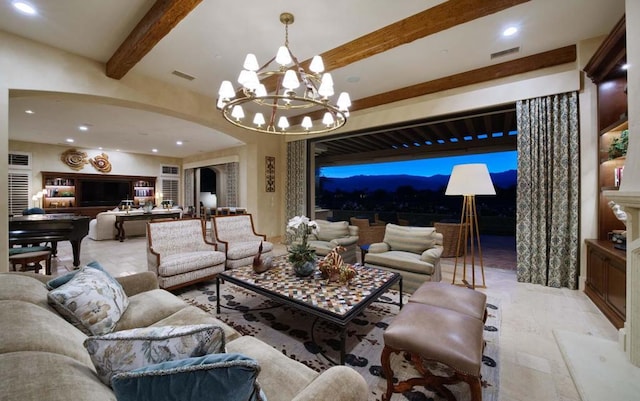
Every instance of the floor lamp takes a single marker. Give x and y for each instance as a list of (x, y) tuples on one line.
[(469, 180)]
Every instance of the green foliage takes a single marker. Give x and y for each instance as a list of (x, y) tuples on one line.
[(300, 253), (619, 145)]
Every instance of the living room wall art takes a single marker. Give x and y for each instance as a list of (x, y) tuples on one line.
[(101, 163), (74, 159), (270, 173), (77, 159)]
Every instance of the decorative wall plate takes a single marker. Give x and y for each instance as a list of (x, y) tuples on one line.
[(101, 163), (74, 159)]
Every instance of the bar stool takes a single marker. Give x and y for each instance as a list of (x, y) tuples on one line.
[(24, 258)]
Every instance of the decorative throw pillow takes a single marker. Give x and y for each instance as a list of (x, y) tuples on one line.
[(224, 377), (328, 230), (60, 280), (409, 239), (91, 300), (131, 349)]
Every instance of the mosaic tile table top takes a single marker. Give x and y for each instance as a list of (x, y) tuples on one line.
[(335, 298)]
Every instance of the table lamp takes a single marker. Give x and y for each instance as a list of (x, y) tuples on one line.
[(469, 180)]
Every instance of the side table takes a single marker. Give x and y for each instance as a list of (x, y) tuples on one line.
[(364, 248)]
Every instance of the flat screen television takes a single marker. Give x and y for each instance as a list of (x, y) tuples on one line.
[(104, 192)]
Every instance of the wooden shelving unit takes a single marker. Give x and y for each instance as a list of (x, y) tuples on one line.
[(606, 266), (64, 191)]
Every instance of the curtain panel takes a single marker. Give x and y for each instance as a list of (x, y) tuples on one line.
[(296, 197), (189, 193), (548, 200)]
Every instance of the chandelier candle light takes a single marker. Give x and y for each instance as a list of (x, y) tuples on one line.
[(285, 99)]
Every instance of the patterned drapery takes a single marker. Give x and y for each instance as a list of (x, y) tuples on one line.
[(232, 184), (189, 195), (296, 199), (547, 230)]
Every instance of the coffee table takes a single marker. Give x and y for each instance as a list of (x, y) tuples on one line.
[(335, 302)]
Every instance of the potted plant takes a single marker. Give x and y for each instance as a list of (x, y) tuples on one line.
[(618, 147), (301, 256)]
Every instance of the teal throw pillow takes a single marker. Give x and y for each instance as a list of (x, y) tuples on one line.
[(224, 377), (60, 280), (126, 350)]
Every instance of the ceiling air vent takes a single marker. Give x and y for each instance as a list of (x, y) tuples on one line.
[(505, 52), (183, 75)]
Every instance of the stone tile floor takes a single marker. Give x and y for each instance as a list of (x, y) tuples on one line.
[(531, 364)]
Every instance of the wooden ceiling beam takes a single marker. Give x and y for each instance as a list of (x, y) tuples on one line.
[(428, 22), (163, 16), (534, 62), (422, 152)]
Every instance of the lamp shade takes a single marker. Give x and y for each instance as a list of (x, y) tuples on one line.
[(470, 179)]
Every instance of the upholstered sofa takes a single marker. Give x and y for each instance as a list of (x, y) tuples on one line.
[(331, 234), (414, 252), (103, 226), (43, 357)]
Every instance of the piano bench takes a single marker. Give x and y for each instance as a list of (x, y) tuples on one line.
[(33, 257)]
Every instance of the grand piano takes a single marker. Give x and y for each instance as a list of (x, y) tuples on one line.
[(38, 228)]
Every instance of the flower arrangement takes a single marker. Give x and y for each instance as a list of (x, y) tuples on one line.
[(299, 228)]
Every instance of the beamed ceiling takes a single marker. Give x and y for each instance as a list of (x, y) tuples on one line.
[(380, 51), (488, 130)]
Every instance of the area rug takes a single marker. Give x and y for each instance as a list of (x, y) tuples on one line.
[(315, 342)]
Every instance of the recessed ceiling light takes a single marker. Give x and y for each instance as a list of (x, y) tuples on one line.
[(99, 147), (510, 31), (29, 111), (83, 127), (70, 140), (178, 143), (154, 150), (24, 7)]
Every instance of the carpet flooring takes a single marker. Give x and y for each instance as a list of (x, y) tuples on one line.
[(315, 342)]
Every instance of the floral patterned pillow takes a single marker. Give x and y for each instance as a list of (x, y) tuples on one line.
[(127, 350), (92, 300)]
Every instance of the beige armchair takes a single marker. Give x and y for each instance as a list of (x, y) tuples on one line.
[(414, 252), (237, 238), (179, 254), (332, 234)]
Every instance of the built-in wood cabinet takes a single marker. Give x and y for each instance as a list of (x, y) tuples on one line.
[(606, 265), (90, 194), (606, 279)]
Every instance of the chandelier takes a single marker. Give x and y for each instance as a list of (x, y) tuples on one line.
[(286, 98)]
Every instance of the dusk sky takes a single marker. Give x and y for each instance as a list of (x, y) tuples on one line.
[(496, 162)]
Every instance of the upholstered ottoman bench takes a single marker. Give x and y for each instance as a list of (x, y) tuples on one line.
[(448, 296), (432, 333)]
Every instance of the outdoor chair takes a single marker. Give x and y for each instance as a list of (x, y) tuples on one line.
[(414, 252), (332, 234), (367, 234)]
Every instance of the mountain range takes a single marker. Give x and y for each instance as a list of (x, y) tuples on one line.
[(506, 179)]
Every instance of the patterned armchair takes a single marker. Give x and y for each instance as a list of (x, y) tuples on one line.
[(237, 238), (179, 254)]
